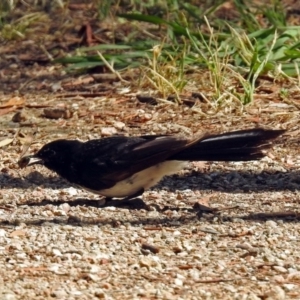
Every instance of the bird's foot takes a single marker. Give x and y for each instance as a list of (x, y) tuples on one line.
[(133, 203), (130, 201), (203, 209)]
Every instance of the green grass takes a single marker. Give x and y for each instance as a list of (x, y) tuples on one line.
[(170, 39), (243, 54)]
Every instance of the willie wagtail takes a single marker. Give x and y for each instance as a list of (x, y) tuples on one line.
[(120, 166)]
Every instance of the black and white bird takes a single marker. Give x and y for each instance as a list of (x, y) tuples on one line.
[(122, 166)]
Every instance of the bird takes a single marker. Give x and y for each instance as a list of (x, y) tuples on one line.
[(124, 167)]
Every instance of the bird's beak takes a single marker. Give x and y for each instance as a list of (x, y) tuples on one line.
[(29, 161)]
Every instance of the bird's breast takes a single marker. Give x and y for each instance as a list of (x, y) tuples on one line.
[(142, 180)]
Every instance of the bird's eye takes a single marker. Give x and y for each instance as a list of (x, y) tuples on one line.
[(49, 152)]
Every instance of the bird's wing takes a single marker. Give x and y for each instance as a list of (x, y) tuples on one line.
[(113, 159)]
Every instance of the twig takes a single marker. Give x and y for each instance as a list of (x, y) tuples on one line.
[(110, 67)]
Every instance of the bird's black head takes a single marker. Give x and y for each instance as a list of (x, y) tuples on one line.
[(56, 156)]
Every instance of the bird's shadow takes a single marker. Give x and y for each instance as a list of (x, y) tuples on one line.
[(225, 181), (153, 223), (132, 204)]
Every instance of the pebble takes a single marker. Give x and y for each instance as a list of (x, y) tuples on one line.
[(289, 286), (59, 294), (250, 296), (57, 113), (8, 296), (72, 191), (178, 282), (271, 223), (108, 131), (19, 117), (56, 252), (100, 294), (280, 269), (119, 125), (276, 293)]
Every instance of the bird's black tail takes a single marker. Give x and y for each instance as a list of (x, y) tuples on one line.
[(242, 145)]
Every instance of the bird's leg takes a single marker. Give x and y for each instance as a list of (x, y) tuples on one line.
[(204, 208), (135, 195), (125, 201)]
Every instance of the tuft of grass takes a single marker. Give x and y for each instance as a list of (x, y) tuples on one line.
[(118, 56), (165, 73), (6, 6), (17, 28), (190, 37)]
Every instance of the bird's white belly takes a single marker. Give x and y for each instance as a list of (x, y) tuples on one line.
[(143, 179)]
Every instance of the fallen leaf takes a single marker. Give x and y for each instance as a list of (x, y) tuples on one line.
[(185, 267), (32, 269), (91, 238), (205, 200), (17, 233), (5, 111), (254, 119), (26, 142), (15, 101), (79, 81), (6, 142)]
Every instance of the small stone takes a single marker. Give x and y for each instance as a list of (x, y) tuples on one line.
[(21, 256), (289, 286), (279, 279), (280, 269), (99, 293), (55, 87), (148, 261), (108, 131), (294, 276), (252, 296), (59, 294), (177, 249), (59, 213), (65, 207), (276, 293), (71, 191), (271, 223), (147, 117), (8, 296), (57, 113), (145, 262), (119, 125), (56, 252), (151, 248), (19, 117), (230, 288), (178, 282), (13, 66), (94, 269)]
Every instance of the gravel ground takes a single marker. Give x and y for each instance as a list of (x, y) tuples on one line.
[(58, 242)]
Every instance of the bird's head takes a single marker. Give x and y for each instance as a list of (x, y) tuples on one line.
[(55, 155)]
